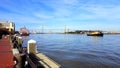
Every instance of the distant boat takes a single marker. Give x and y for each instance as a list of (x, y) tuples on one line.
[(95, 33), (24, 31)]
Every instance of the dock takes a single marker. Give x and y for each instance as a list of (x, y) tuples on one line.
[(11, 56), (14, 55), (6, 55)]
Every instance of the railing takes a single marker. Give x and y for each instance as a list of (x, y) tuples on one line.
[(34, 59), (30, 63)]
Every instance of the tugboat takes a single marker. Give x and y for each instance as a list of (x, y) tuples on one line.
[(95, 33), (24, 31)]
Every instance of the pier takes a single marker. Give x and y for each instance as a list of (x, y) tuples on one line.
[(12, 54), (6, 55)]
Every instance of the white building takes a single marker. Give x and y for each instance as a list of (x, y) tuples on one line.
[(7, 26)]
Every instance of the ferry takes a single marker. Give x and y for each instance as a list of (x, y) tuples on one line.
[(96, 33), (24, 31)]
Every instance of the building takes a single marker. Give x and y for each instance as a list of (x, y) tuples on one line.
[(7, 27)]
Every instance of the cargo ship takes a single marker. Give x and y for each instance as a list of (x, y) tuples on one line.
[(24, 31), (96, 33)]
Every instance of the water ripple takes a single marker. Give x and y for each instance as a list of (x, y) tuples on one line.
[(80, 51)]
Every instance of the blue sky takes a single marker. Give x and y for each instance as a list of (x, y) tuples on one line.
[(55, 14)]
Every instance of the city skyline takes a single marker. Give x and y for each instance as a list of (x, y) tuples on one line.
[(53, 14)]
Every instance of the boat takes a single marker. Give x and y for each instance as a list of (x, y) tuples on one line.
[(24, 31), (95, 33)]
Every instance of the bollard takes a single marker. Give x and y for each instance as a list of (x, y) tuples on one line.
[(19, 40), (31, 46), (20, 44)]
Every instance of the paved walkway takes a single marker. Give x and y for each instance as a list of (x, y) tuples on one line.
[(6, 55)]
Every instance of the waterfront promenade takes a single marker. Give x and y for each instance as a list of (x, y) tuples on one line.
[(6, 55), (34, 59)]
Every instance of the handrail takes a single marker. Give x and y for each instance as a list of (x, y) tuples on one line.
[(30, 62)]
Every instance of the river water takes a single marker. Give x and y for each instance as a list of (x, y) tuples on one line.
[(79, 51)]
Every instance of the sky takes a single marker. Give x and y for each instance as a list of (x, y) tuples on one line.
[(56, 14)]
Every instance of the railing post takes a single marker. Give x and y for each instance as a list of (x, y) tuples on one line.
[(31, 47)]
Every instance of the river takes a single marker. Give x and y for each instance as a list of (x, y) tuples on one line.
[(79, 51)]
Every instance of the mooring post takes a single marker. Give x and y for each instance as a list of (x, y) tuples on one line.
[(31, 48), (19, 40), (20, 43)]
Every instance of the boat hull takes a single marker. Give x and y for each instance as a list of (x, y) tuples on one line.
[(94, 34), (24, 34)]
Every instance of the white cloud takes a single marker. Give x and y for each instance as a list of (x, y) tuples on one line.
[(107, 13), (42, 16), (65, 11), (70, 2)]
